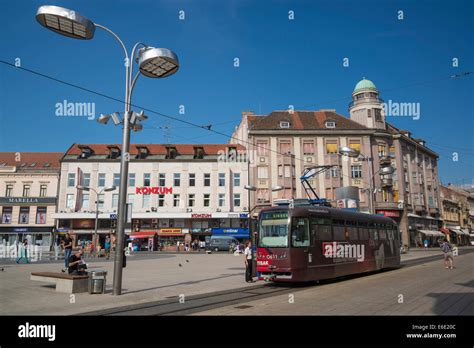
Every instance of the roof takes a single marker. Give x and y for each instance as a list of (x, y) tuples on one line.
[(154, 149), (364, 84), (303, 120), (31, 160)]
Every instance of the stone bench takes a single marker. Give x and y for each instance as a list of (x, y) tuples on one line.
[(66, 283)]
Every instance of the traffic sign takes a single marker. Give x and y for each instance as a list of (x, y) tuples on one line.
[(113, 216)]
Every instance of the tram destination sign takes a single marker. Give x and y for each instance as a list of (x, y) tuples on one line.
[(27, 200)]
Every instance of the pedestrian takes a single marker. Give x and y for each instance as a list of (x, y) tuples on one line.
[(426, 243), (248, 262), (77, 266), (67, 245), (177, 246), (23, 254), (448, 255), (107, 247)]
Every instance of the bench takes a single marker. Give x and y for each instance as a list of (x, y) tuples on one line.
[(67, 283)]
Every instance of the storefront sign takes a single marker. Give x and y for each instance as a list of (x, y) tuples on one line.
[(27, 200), (235, 232), (389, 213), (153, 190), (201, 216), (170, 231)]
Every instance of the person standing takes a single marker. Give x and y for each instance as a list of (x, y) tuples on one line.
[(248, 262), (23, 252), (448, 255), (67, 244), (107, 247)]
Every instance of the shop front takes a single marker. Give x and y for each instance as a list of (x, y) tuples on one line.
[(459, 236), (37, 236), (169, 237), (241, 234), (144, 240)]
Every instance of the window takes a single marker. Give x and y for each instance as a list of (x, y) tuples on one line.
[(131, 198), (285, 147), (378, 115), (43, 190), (24, 215), (352, 233), (330, 124), (221, 199), (69, 201), (284, 124), (131, 179), (356, 172), (236, 179), (116, 179), (100, 203), (9, 191), (392, 151), (192, 179), (308, 148), (146, 201), (161, 200), (221, 179), (26, 190), (262, 172), (85, 201), (86, 180), (263, 196), (41, 215), (7, 215), (289, 171), (207, 199), (236, 199), (176, 200), (101, 180), (382, 150), (335, 172), (177, 179), (300, 233), (363, 234), (262, 148), (331, 146), (339, 232), (161, 179), (71, 180), (354, 145), (280, 170), (146, 179), (207, 179), (115, 197), (321, 231), (191, 199)]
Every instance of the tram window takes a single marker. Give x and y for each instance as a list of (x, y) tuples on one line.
[(353, 233), (320, 221), (300, 233), (390, 234), (322, 232), (382, 234), (373, 234), (363, 233), (339, 232)]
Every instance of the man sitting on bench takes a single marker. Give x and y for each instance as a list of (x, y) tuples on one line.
[(77, 266)]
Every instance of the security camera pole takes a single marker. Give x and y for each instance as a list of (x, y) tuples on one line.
[(152, 62)]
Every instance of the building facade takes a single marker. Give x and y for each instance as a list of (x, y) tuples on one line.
[(455, 207), (28, 196), (284, 143), (177, 192)]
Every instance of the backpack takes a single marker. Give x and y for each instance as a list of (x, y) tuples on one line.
[(446, 247)]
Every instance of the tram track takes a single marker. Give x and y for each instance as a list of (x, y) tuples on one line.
[(203, 302)]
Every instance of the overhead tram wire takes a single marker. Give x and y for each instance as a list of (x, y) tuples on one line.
[(208, 128)]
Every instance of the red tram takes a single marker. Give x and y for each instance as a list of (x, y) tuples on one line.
[(306, 243)]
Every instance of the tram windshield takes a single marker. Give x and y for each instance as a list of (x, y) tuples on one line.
[(273, 232)]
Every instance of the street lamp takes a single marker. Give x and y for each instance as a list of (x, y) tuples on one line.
[(97, 194), (152, 62), (387, 170)]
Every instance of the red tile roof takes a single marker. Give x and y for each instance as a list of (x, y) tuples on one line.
[(155, 149), (303, 120), (28, 158)]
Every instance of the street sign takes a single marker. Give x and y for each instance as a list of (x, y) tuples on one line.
[(113, 217)]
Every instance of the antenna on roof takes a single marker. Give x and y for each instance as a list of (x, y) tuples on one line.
[(166, 132)]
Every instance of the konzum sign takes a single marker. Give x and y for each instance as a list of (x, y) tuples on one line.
[(153, 190)]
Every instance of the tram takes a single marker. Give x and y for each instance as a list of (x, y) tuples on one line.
[(308, 243)]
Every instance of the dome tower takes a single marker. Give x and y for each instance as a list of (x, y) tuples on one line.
[(366, 107)]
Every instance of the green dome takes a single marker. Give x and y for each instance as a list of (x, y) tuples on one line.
[(364, 84)]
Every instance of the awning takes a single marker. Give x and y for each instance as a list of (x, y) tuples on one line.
[(431, 233), (459, 231)]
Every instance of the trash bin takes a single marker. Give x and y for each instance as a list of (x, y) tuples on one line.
[(97, 281)]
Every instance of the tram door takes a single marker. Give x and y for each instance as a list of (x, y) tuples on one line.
[(302, 256)]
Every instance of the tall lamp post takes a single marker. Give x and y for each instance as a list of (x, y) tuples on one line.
[(152, 62), (97, 194), (387, 170)]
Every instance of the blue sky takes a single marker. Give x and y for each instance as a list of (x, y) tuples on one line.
[(282, 63)]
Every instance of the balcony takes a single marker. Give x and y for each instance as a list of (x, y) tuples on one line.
[(387, 206), (387, 182), (385, 160), (419, 207), (368, 99)]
